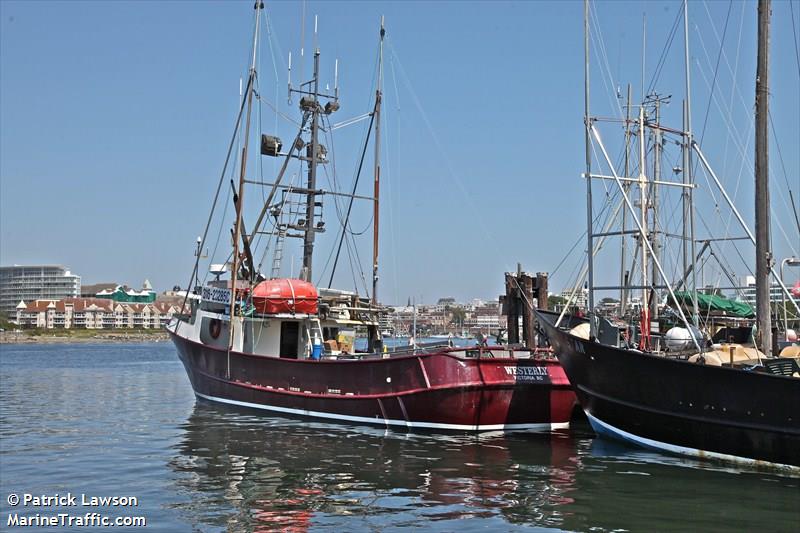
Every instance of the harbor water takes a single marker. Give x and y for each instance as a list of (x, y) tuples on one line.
[(120, 420)]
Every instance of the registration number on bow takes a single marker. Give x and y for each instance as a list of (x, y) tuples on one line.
[(528, 373)]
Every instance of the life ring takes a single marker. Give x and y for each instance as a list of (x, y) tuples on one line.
[(215, 327)]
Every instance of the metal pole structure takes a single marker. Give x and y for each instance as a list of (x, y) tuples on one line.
[(685, 149), (643, 237), (414, 327), (623, 293), (792, 261), (310, 231), (240, 203), (763, 253), (373, 330), (587, 139), (654, 204), (642, 231), (688, 177)]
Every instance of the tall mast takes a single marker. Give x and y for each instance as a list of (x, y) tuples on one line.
[(589, 232), (243, 166), (310, 230), (685, 150), (657, 150), (373, 330), (643, 206), (688, 207), (763, 253), (623, 296), (377, 188)]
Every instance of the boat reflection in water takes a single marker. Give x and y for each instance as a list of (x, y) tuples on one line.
[(249, 472), (242, 471)]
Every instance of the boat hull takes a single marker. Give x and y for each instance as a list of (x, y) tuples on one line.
[(435, 391), (680, 407)]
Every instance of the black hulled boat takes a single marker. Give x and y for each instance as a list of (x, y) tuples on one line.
[(643, 388)]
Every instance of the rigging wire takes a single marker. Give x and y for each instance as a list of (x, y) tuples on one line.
[(664, 52), (194, 274), (467, 198), (390, 175), (796, 41), (745, 154), (785, 177), (597, 38), (346, 221), (716, 69), (728, 114)]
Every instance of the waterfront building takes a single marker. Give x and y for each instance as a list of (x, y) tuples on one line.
[(35, 282), (90, 291), (580, 299), (485, 318), (748, 292), (94, 313), (122, 293)]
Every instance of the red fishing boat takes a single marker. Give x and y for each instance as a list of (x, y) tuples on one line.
[(287, 345)]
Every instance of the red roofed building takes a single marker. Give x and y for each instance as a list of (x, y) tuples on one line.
[(94, 313)]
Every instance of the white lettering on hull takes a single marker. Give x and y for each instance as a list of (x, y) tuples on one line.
[(528, 373)]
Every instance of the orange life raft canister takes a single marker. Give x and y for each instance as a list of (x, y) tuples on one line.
[(285, 296)]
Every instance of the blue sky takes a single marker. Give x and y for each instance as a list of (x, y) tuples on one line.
[(115, 119)]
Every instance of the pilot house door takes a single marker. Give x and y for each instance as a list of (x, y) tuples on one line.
[(289, 339)]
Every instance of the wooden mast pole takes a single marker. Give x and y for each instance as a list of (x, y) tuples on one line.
[(763, 254), (240, 201), (373, 330)]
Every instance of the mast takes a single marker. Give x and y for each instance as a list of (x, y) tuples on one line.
[(310, 230), (643, 207), (243, 166), (623, 296), (373, 330), (657, 150), (688, 206), (763, 253), (377, 188), (587, 141), (685, 150)]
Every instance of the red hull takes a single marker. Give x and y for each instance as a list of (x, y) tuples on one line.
[(434, 390)]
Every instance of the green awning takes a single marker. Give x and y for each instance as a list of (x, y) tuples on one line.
[(711, 303)]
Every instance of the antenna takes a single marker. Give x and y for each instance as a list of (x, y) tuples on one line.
[(290, 79), (198, 252), (336, 80), (644, 49)]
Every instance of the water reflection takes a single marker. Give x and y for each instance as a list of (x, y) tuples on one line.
[(247, 471)]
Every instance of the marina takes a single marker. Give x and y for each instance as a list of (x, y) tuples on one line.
[(128, 411), (356, 340)]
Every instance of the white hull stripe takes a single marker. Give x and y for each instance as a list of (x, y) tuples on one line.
[(602, 427), (389, 421)]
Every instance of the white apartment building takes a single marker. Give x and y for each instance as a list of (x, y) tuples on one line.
[(35, 282)]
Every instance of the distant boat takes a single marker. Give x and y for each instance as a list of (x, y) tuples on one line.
[(683, 396), (287, 346)]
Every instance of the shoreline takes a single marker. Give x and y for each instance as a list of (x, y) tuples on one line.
[(104, 337)]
